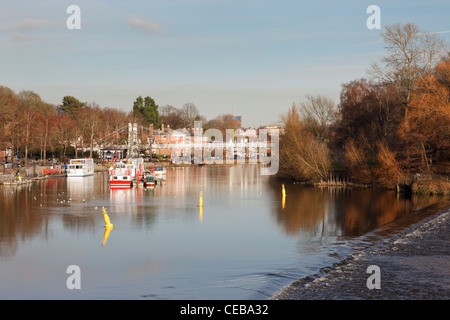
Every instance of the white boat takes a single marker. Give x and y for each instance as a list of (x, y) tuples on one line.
[(159, 172), (80, 168)]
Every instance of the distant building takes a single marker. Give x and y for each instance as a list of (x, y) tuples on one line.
[(270, 131), (232, 122), (167, 141)]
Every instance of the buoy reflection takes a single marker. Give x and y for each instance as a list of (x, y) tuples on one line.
[(108, 226), (200, 213), (106, 235)]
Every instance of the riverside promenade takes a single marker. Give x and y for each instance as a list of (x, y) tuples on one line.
[(414, 265)]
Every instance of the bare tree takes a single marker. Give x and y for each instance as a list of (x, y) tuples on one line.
[(89, 120), (317, 114), (302, 156), (189, 112), (411, 55), (30, 103), (167, 109)]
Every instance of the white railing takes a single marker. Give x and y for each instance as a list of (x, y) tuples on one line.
[(212, 145)]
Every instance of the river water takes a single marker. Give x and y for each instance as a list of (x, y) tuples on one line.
[(246, 242)]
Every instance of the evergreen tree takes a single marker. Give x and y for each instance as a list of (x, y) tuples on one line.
[(146, 110)]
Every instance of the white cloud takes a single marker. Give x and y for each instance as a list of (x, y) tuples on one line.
[(23, 37), (27, 24), (440, 32), (20, 30), (147, 26)]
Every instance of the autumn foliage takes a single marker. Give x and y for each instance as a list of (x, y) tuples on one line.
[(302, 156), (390, 130), (426, 127), (34, 128)]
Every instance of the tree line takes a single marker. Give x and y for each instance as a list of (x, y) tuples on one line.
[(385, 128), (33, 128)]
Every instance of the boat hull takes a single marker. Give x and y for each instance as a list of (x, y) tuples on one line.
[(79, 174), (120, 184)]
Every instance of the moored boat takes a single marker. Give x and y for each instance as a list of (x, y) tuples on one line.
[(149, 181), (80, 168), (120, 181), (125, 174), (159, 172)]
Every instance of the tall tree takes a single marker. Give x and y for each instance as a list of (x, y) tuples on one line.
[(89, 120), (427, 136), (368, 113), (42, 127), (30, 105), (70, 105), (112, 121), (302, 156), (189, 113), (317, 114), (411, 55), (63, 132), (9, 104), (146, 110), (171, 116)]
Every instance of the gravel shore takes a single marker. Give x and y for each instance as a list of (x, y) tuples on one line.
[(414, 264)]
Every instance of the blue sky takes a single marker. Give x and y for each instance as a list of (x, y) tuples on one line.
[(250, 58)]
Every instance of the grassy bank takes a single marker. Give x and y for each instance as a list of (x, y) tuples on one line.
[(437, 185)]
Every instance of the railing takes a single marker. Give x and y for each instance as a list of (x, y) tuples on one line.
[(52, 172), (212, 145)]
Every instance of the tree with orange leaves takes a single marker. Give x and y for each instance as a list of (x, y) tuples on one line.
[(427, 133)]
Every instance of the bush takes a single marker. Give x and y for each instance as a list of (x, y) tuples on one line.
[(432, 186)]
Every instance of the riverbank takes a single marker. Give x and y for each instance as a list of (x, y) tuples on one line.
[(414, 265)]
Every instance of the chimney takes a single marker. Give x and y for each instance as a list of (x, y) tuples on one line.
[(168, 127), (150, 130)]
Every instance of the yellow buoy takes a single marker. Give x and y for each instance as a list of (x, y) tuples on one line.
[(200, 199), (108, 223)]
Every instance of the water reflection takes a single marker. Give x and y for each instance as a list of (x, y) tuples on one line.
[(79, 188), (338, 211), (25, 211), (242, 237)]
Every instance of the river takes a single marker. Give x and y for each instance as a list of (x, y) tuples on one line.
[(246, 242)]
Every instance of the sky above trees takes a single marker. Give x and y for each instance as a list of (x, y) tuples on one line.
[(251, 58)]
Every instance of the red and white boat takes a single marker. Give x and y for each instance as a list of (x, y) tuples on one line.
[(125, 175)]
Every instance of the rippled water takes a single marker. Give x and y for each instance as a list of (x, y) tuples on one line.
[(246, 243)]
